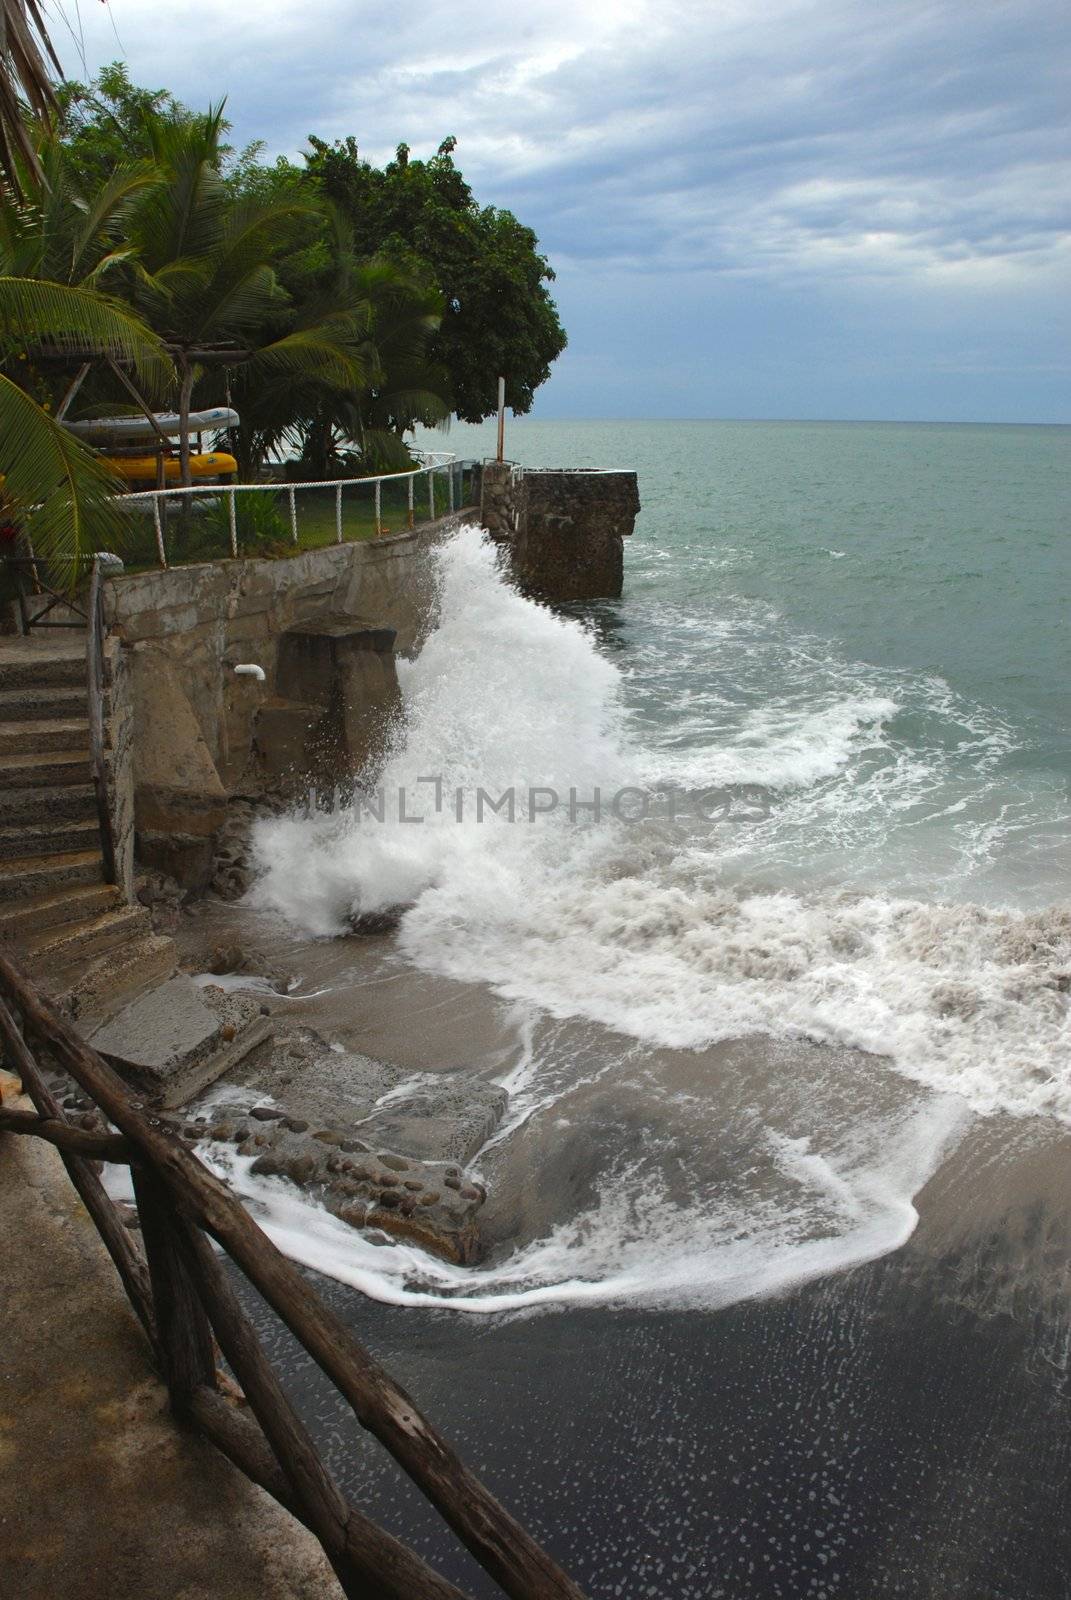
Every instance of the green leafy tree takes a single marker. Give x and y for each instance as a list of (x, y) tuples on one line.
[(498, 315)]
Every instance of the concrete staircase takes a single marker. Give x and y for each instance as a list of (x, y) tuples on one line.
[(77, 934)]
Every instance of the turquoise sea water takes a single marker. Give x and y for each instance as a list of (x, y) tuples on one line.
[(781, 569)]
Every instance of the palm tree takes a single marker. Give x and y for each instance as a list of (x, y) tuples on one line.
[(311, 410), (200, 271), (24, 76)]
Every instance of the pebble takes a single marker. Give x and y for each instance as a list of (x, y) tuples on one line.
[(386, 1179), (451, 1182), (296, 1125), (266, 1114), (395, 1163)]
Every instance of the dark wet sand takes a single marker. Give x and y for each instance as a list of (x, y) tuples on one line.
[(902, 1428)]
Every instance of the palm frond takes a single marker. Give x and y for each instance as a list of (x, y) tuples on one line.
[(326, 353), (63, 496), (67, 318), (24, 76)]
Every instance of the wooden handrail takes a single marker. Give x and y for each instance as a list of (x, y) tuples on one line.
[(191, 1299), (95, 674)]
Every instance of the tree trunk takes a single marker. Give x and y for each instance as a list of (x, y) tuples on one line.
[(185, 395)]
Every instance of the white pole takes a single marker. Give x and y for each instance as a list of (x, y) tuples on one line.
[(233, 521), (409, 487), (431, 493), (501, 419), (293, 517), (159, 531), (338, 514), (379, 506)]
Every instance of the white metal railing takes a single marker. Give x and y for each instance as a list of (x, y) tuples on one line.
[(433, 461)]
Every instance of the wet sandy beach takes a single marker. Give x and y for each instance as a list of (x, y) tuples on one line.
[(899, 1426)]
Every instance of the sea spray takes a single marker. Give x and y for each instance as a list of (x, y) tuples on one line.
[(678, 933)]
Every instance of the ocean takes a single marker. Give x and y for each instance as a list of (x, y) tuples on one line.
[(782, 944)]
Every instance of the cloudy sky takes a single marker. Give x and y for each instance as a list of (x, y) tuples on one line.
[(755, 208)]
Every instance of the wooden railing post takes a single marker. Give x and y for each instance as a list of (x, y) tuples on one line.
[(502, 1547), (184, 1335), (369, 1563), (117, 1241)]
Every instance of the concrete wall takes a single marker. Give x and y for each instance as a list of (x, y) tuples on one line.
[(199, 733), (324, 626), (564, 530)]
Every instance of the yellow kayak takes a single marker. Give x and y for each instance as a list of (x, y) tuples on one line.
[(142, 469)]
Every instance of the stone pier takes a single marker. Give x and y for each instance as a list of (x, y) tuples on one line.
[(564, 529)]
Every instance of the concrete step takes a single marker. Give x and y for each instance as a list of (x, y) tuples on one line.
[(24, 667), (59, 947), (75, 902), (25, 876), (177, 1039), (43, 838), (95, 992), (45, 806), (43, 704), (66, 734), (44, 768)]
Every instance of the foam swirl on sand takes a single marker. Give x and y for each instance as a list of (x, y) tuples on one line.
[(677, 934)]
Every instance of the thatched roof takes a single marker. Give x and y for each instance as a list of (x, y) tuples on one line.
[(25, 81)]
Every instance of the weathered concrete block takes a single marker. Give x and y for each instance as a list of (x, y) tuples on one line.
[(179, 1038), (177, 789), (337, 699)]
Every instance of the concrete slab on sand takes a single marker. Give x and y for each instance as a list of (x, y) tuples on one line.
[(101, 1492), (178, 1038)]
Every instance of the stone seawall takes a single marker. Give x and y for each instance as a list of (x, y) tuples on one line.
[(323, 626), (564, 530), (189, 735)]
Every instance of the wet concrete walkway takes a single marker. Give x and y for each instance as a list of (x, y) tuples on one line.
[(101, 1493)]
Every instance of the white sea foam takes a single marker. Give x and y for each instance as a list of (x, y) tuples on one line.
[(680, 935), (817, 1212)]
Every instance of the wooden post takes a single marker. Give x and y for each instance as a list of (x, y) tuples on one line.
[(501, 420), (498, 1542), (183, 1333), (369, 1563), (117, 1241), (74, 1141)]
